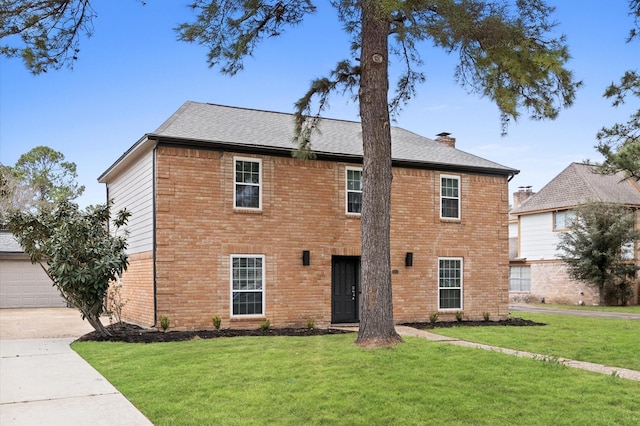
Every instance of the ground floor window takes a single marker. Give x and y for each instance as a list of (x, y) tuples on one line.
[(520, 278), (247, 285), (450, 283)]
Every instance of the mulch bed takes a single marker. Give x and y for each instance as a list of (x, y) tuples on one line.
[(134, 334), (510, 322)]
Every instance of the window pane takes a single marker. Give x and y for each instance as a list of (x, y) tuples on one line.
[(249, 303), (354, 203), (354, 180), (449, 207), (450, 299), (449, 187), (247, 196)]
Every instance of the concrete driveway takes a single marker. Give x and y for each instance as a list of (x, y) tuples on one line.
[(43, 381)]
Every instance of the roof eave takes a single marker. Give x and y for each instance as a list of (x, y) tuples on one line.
[(323, 155)]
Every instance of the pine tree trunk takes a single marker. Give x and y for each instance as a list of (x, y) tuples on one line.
[(376, 315)]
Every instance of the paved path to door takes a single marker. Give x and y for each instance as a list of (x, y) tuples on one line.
[(44, 382)]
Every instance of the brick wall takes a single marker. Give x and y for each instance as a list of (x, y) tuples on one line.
[(549, 279), (304, 209), (137, 290)]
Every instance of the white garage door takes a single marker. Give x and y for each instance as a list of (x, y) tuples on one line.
[(24, 285)]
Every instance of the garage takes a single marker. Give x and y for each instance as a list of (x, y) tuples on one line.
[(22, 284)]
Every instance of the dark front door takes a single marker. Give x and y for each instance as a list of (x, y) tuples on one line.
[(345, 285)]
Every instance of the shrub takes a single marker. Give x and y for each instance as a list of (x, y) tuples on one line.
[(459, 316), (217, 321), (265, 326), (486, 316), (164, 322), (433, 318), (311, 324)]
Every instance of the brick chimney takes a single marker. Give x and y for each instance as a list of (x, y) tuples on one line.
[(521, 195), (445, 139)]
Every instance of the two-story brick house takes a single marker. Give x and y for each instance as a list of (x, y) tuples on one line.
[(226, 223)]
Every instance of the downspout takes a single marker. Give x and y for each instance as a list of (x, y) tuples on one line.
[(153, 207)]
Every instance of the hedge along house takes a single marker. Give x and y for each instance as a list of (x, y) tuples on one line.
[(226, 223)]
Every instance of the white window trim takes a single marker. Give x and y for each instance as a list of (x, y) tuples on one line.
[(260, 188), (347, 191), (553, 220), (461, 285), (458, 198), (264, 284)]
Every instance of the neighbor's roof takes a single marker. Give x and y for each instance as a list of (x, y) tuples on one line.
[(218, 125), (578, 184)]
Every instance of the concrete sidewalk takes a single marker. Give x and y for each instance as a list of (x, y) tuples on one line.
[(585, 312), (596, 368), (44, 382)]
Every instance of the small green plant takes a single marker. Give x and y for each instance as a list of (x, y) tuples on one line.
[(217, 321), (486, 316), (164, 322), (433, 318), (311, 324), (116, 305), (459, 316), (265, 326)]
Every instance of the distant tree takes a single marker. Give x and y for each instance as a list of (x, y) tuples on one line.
[(620, 143), (506, 49), (50, 177), (594, 249), (77, 251), (14, 195)]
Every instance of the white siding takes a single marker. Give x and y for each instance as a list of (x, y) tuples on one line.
[(133, 189), (513, 229), (538, 241)]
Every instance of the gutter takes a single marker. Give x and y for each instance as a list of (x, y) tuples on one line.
[(323, 156)]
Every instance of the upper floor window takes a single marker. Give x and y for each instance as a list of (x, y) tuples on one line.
[(354, 190), (248, 181), (450, 283), (450, 197), (563, 219)]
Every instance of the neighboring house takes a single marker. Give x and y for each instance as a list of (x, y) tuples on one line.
[(226, 223), (23, 284), (536, 270)]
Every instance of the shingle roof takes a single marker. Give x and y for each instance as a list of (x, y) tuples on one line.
[(265, 129), (580, 183)]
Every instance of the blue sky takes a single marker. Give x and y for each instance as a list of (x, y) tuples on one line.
[(133, 74)]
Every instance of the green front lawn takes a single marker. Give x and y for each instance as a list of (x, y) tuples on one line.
[(612, 342), (327, 380)]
